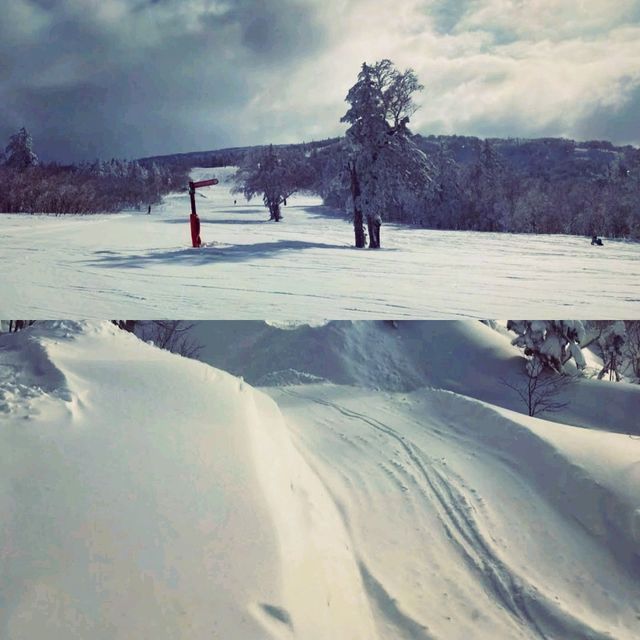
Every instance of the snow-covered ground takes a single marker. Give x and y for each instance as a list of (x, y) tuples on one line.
[(393, 495), (138, 266)]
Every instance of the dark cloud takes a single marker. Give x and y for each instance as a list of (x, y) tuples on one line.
[(141, 77), (154, 77), (619, 125)]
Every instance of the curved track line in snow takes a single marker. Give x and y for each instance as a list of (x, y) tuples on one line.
[(528, 607)]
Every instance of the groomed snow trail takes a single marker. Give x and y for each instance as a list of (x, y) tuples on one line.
[(453, 538), (142, 266)]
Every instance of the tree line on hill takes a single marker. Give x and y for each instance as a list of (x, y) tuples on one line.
[(29, 186), (381, 171)]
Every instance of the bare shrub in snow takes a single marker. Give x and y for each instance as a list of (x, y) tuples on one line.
[(12, 326), (540, 388), (172, 335)]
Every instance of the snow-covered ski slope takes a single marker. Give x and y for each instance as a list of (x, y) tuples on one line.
[(142, 266), (146, 495)]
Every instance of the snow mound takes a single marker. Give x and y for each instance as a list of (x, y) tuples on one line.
[(170, 503), (28, 377), (467, 357)]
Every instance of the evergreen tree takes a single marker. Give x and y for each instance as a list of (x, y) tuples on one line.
[(446, 203), (19, 151)]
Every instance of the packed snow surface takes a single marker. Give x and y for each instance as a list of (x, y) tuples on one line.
[(145, 495), (142, 266)]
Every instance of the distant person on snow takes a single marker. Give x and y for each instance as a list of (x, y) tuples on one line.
[(597, 241), (149, 210)]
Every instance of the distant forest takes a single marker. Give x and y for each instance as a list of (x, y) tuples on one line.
[(510, 185), (29, 186), (548, 185)]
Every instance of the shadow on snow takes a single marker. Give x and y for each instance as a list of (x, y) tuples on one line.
[(207, 254)]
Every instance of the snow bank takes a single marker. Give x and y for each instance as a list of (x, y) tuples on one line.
[(467, 357), (144, 495)]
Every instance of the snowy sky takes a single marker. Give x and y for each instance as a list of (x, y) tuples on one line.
[(100, 78)]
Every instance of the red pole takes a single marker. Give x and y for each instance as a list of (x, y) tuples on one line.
[(194, 221), (192, 196)]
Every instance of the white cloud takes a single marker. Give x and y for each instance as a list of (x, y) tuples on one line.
[(490, 67)]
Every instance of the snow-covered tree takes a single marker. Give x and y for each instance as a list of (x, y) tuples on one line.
[(612, 342), (384, 163), (19, 151), (487, 208), (447, 193), (275, 174), (550, 343), (632, 346)]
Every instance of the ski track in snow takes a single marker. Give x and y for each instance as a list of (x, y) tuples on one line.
[(458, 507), (138, 265)]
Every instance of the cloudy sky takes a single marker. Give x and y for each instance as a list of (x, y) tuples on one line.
[(102, 78)]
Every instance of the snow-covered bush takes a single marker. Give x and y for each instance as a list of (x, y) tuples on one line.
[(550, 343), (612, 342)]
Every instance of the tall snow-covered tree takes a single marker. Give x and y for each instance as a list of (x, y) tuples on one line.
[(276, 174), (19, 151), (384, 163)]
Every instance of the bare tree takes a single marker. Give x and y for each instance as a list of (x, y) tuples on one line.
[(18, 325), (172, 335), (539, 388)]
